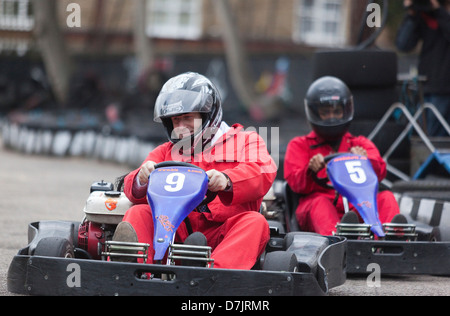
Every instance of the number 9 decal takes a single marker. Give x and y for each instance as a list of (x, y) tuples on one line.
[(174, 182), (356, 173)]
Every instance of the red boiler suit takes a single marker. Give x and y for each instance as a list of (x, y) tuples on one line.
[(234, 228), (316, 211)]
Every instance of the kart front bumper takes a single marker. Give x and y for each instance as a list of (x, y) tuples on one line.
[(399, 257), (34, 275)]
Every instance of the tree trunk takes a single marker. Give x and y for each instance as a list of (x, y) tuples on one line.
[(260, 107), (236, 57), (143, 45), (51, 43)]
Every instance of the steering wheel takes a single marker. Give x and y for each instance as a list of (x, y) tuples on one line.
[(209, 196), (166, 164), (325, 181)]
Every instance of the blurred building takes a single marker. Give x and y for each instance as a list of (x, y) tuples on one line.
[(16, 24), (280, 38), (190, 26)]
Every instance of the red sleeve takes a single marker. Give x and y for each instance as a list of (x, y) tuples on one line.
[(378, 163), (157, 155), (296, 166), (253, 176)]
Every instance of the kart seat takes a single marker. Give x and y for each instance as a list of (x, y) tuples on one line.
[(307, 248), (291, 199), (120, 182)]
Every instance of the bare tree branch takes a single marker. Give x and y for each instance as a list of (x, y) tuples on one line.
[(53, 49), (259, 106), (143, 45)]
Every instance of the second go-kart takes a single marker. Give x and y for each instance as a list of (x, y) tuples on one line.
[(398, 248), (70, 258)]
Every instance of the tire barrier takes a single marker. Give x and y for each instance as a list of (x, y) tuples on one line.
[(435, 213), (132, 150), (84, 142), (373, 78)]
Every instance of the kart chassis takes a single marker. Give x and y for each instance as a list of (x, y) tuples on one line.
[(70, 258), (412, 248), (39, 275)]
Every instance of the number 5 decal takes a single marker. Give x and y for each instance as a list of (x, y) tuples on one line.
[(357, 174), (174, 182)]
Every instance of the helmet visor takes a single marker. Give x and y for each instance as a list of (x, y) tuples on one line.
[(330, 112), (181, 102)]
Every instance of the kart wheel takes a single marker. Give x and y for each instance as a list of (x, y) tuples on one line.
[(435, 235), (280, 261), (54, 247), (433, 195), (421, 185)]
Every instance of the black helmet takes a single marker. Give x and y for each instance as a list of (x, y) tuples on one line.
[(187, 93), (332, 94)]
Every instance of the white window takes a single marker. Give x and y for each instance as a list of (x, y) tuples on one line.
[(320, 22), (16, 15), (178, 19)]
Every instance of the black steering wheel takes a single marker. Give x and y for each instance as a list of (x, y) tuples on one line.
[(209, 197), (325, 181), (166, 164)]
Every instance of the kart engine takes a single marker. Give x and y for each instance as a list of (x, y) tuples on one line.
[(104, 209), (91, 237)]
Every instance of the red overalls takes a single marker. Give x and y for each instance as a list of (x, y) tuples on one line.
[(234, 228), (316, 211)]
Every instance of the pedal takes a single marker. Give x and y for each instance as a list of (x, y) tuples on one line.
[(400, 231), (125, 251), (354, 231), (198, 254)]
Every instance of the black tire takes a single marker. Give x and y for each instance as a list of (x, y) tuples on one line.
[(54, 247), (372, 79), (435, 235), (442, 196), (280, 261), (370, 68), (289, 238), (421, 185)]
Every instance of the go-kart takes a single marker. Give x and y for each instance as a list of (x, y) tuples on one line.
[(70, 258), (398, 248)]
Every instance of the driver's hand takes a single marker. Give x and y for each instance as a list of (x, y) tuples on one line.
[(317, 163), (217, 180), (145, 171), (435, 4), (407, 4), (358, 150)]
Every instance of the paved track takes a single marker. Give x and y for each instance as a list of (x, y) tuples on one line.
[(36, 188)]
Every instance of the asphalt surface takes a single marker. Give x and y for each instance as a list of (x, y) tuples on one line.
[(37, 188)]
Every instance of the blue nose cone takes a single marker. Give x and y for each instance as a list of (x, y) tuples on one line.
[(378, 230)]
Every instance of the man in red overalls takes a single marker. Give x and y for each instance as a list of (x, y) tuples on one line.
[(329, 109), (237, 163)]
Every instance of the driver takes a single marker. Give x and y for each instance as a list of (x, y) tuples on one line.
[(237, 163), (329, 110)]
